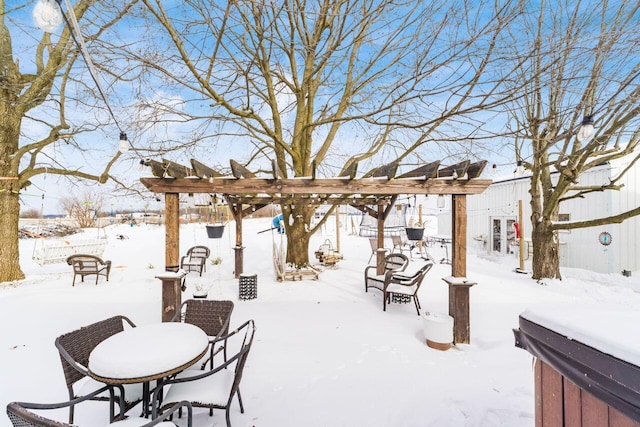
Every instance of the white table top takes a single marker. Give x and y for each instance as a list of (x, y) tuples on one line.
[(147, 352)]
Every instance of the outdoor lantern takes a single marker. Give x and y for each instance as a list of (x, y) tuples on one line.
[(440, 201), (586, 129), (124, 143), (519, 167), (47, 15)]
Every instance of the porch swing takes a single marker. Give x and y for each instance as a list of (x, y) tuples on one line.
[(57, 249)]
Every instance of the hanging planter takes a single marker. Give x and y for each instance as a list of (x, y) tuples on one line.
[(214, 231), (414, 233)]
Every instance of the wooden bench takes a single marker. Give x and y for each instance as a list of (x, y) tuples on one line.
[(86, 265)]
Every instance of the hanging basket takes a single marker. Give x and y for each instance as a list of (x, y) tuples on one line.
[(215, 231), (414, 233)]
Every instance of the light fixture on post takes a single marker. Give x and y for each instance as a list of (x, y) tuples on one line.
[(123, 147), (586, 129), (440, 202), (47, 15)]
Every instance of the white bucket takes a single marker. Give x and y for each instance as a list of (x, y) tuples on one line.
[(438, 330)]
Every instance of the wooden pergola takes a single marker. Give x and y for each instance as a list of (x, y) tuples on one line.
[(373, 194)]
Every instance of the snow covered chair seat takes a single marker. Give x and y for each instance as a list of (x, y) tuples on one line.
[(87, 265), (400, 286), (392, 263)]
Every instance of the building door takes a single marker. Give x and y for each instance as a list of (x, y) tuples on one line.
[(503, 235)]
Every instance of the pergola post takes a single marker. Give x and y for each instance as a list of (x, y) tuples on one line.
[(458, 283), (380, 252), (236, 210), (171, 280)]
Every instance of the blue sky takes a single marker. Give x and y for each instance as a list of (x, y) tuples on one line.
[(102, 141)]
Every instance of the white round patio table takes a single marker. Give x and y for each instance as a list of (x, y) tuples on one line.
[(147, 353)]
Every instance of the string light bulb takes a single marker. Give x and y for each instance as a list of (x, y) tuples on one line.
[(520, 167), (586, 130), (47, 15), (123, 147)]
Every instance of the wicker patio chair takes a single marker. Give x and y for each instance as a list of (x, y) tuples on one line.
[(374, 248), (213, 318), (24, 414), (74, 348), (400, 245), (392, 262), (402, 286), (88, 265), (195, 259), (214, 388)]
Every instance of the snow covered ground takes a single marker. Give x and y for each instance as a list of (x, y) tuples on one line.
[(325, 354)]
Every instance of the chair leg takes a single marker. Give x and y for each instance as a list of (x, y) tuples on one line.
[(384, 300), (240, 401), (417, 302)]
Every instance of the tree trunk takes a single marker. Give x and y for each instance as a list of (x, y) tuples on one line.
[(546, 257), (9, 243), (9, 196), (298, 235)]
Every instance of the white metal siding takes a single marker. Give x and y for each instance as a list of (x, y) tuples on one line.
[(580, 248)]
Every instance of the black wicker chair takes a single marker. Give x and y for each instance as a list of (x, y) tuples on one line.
[(403, 286), (213, 318), (198, 387), (24, 414), (392, 262), (75, 347)]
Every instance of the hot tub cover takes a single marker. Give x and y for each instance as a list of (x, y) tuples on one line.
[(612, 380)]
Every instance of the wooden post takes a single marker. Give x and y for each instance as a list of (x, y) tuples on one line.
[(459, 236), (521, 240), (171, 283), (338, 228), (172, 232), (459, 308), (458, 283), (380, 253), (239, 250)]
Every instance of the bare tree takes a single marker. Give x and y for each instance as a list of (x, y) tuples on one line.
[(328, 83), (581, 60), (83, 208), (39, 83)]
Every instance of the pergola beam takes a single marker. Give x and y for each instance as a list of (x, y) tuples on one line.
[(309, 186)]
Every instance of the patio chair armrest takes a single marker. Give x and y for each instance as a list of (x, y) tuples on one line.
[(126, 319), (88, 396), (70, 360)]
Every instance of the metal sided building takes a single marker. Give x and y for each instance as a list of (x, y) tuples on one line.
[(603, 249)]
